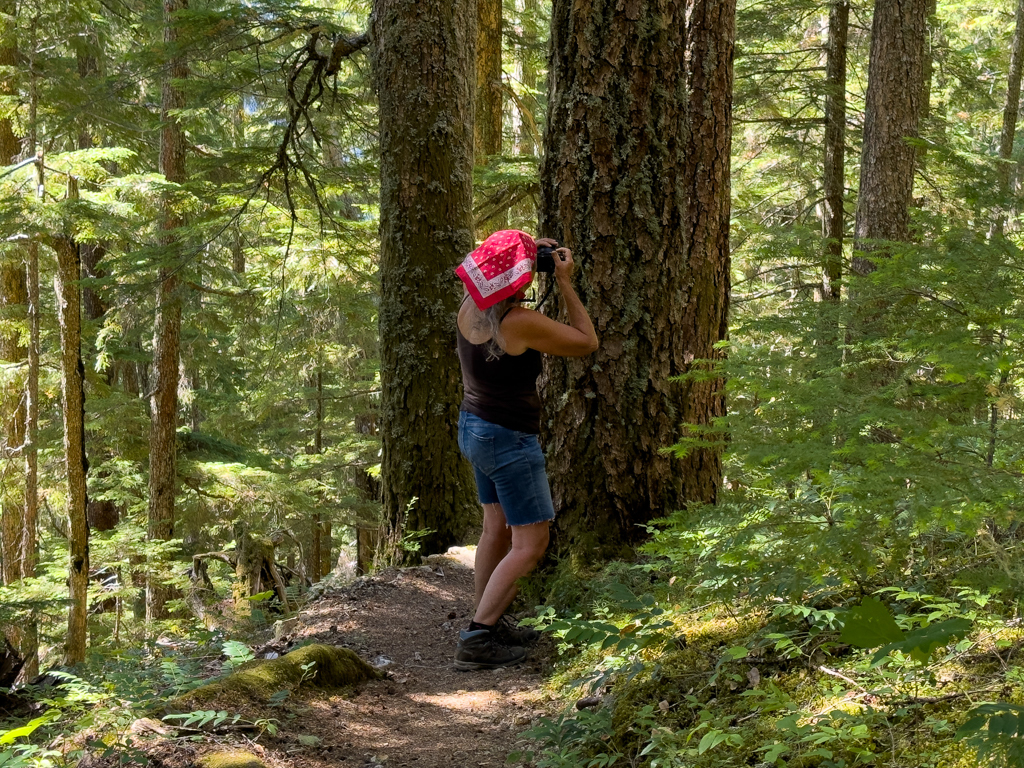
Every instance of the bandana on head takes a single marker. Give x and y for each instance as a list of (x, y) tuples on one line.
[(501, 267)]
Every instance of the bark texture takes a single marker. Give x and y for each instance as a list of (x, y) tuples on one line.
[(72, 377), (423, 63), (167, 326), (892, 111), (524, 122), (487, 129), (13, 304), (834, 175), (1010, 114), (636, 182)]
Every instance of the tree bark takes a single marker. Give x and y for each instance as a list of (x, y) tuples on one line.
[(1010, 115), (931, 32), (66, 284), (489, 94), (892, 112), (326, 550), (30, 539), (167, 326), (834, 176), (525, 125), (314, 555), (636, 182), (13, 305), (423, 61)]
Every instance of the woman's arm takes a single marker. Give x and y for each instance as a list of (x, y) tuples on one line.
[(527, 329)]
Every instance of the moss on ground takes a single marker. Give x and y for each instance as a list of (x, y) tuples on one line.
[(316, 666), (235, 758)]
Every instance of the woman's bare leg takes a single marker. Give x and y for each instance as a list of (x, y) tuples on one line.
[(495, 541), (528, 545)]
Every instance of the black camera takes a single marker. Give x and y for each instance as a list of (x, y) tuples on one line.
[(546, 259)]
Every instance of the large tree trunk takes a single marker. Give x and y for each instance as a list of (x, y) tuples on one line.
[(834, 176), (892, 112), (636, 182), (487, 127), (167, 327), (423, 59), (72, 376)]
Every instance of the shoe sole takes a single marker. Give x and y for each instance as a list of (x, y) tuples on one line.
[(474, 666)]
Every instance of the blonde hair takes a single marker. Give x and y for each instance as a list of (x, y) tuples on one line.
[(492, 317)]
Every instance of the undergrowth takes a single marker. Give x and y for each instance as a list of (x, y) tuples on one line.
[(667, 677)]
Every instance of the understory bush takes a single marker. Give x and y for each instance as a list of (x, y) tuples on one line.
[(853, 596)]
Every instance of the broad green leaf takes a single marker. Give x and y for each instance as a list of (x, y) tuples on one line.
[(870, 625)]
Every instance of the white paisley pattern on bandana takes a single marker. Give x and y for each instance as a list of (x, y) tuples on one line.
[(490, 285)]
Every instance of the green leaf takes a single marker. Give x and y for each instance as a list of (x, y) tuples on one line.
[(711, 740), (29, 728), (736, 652), (772, 753), (870, 625)]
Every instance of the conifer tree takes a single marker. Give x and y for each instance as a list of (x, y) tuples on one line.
[(636, 182), (167, 327), (834, 176), (423, 67), (72, 376), (891, 117), (13, 304)]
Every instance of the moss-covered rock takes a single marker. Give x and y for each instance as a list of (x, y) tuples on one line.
[(317, 666), (235, 758)]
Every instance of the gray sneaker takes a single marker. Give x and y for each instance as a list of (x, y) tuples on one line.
[(508, 631), (482, 649)]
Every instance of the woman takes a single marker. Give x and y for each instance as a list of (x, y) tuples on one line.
[(500, 347)]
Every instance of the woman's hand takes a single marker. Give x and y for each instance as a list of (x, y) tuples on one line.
[(563, 264)]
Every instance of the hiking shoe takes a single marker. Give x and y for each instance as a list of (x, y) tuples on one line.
[(508, 630), (482, 649)]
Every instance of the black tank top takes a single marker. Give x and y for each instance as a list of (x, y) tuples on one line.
[(502, 391)]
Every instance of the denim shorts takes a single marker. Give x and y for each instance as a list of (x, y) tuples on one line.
[(509, 467)]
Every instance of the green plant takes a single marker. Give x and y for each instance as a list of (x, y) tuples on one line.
[(996, 731), (238, 653)]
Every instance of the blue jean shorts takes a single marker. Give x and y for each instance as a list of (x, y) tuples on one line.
[(509, 467)]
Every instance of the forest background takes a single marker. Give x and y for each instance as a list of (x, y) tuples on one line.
[(798, 234)]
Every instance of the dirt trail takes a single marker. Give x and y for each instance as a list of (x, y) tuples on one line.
[(426, 714)]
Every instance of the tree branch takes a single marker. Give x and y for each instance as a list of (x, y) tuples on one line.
[(343, 48)]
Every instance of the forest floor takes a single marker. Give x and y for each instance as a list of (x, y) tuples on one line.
[(424, 714)]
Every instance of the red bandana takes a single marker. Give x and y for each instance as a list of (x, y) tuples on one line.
[(499, 268)]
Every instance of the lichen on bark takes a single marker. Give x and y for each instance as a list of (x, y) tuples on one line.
[(424, 72), (636, 182)]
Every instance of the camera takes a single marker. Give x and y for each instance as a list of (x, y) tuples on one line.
[(545, 259)]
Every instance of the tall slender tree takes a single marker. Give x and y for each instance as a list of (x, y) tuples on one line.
[(167, 327), (892, 113), (1011, 112), (489, 94), (66, 284), (636, 182), (423, 64), (13, 304), (834, 176)]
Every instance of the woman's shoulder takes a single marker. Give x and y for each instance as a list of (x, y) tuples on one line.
[(471, 326)]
